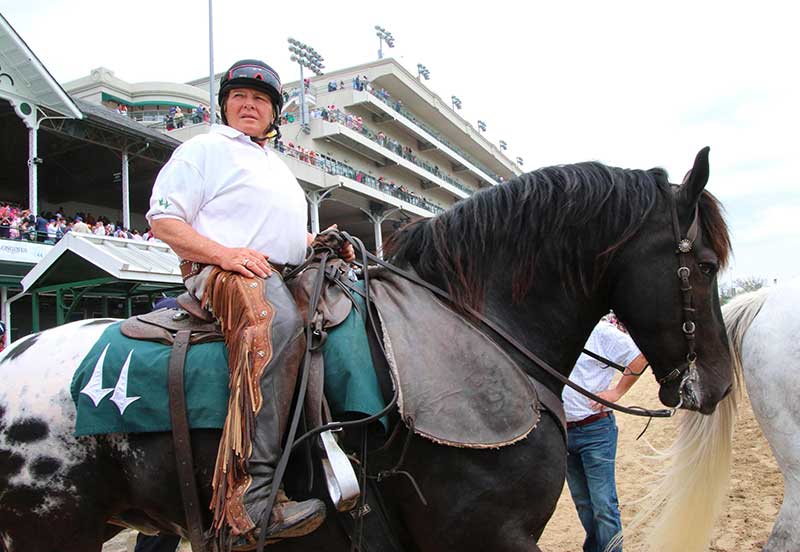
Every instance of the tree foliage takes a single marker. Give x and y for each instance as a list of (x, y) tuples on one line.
[(740, 285)]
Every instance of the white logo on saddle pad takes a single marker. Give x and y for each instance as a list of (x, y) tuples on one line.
[(94, 388)]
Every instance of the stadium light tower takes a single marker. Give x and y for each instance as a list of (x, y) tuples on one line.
[(503, 145), (382, 35), (456, 102), (481, 126), (305, 56), (519, 161), (422, 72)]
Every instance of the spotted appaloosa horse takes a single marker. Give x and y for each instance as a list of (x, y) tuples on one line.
[(544, 255)]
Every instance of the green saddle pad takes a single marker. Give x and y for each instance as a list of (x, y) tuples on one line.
[(121, 385)]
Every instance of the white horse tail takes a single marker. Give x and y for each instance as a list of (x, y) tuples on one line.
[(692, 488)]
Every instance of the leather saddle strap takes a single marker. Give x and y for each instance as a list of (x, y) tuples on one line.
[(182, 442)]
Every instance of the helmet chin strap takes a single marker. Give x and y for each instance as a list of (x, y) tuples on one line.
[(272, 132)]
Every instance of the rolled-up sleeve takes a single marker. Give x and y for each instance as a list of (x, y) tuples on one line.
[(177, 193)]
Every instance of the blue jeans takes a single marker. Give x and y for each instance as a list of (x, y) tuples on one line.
[(592, 450)]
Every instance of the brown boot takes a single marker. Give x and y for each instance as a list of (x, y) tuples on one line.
[(289, 519)]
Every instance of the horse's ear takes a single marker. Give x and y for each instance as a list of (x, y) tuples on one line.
[(696, 179)]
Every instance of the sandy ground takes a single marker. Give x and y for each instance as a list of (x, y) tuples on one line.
[(754, 499), (753, 502)]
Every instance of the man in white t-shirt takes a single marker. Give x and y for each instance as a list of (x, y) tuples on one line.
[(232, 210), (592, 433)]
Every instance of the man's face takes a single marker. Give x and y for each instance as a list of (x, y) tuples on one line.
[(249, 111)]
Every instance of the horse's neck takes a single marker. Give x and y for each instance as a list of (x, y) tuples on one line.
[(550, 322)]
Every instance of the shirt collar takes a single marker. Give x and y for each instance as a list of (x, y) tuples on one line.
[(232, 133)]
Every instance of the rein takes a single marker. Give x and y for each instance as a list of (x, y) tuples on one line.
[(636, 411), (684, 247)]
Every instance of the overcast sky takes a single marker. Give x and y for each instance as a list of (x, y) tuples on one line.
[(633, 84)]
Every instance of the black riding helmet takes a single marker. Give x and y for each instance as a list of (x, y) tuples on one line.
[(255, 74)]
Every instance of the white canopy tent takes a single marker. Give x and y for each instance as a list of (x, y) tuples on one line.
[(99, 266)]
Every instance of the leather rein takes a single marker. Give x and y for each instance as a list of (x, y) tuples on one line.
[(683, 248)]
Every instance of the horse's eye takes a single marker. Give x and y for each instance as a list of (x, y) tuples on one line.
[(709, 269)]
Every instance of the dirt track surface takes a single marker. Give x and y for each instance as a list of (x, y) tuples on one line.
[(754, 499)]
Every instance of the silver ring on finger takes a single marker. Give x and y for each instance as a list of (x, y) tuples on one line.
[(244, 262)]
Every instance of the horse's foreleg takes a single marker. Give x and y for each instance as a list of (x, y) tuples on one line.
[(479, 500), (785, 536)]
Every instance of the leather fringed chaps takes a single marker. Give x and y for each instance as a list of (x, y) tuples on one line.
[(245, 318)]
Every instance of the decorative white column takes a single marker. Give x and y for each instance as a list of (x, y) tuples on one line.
[(315, 198), (5, 315), (126, 193), (33, 173)]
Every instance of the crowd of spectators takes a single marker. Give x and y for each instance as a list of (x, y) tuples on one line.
[(175, 116), (332, 166), (363, 84), (17, 223), (334, 115)]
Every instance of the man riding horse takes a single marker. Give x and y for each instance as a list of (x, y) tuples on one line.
[(235, 214)]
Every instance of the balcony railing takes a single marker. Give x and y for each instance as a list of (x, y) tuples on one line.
[(337, 168), (394, 104), (353, 123)]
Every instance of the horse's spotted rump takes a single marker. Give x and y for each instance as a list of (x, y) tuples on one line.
[(20, 347), (10, 465), (25, 499), (44, 466), (28, 430)]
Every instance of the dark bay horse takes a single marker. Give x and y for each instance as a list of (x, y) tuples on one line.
[(544, 255)]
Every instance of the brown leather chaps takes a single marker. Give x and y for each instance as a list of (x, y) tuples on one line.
[(264, 336)]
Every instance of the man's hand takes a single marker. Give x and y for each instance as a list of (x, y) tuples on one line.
[(611, 395), (347, 253), (247, 262)]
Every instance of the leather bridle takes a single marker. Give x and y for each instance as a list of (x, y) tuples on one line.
[(683, 249)]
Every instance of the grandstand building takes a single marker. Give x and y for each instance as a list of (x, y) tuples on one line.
[(371, 145)]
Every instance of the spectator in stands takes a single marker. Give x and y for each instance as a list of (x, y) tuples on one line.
[(178, 117), (41, 228), (80, 226), (6, 223), (99, 228), (27, 231), (51, 229)]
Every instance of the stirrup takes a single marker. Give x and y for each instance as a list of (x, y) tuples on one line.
[(340, 477)]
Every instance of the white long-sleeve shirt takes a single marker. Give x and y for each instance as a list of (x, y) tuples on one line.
[(235, 192)]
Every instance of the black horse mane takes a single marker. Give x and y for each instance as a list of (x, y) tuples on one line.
[(572, 216)]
